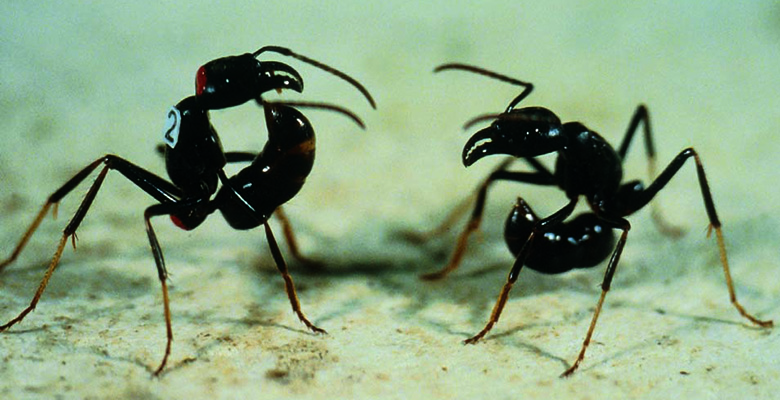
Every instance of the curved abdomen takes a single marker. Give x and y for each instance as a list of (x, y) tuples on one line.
[(276, 174), (582, 242)]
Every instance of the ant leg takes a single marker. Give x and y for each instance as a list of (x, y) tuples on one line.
[(463, 205), (540, 168), (162, 273), (239, 156), (54, 200), (230, 156), (292, 242), (288, 282), (150, 183), (641, 115), (454, 215), (716, 225), (45, 281), (625, 226), (281, 265), (30, 230), (475, 220), (157, 187), (542, 226), (69, 232), (664, 178)]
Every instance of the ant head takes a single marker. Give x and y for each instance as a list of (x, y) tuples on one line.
[(524, 132), (289, 53), (234, 80)]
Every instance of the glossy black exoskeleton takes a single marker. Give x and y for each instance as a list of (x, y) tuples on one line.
[(586, 166), (195, 159)]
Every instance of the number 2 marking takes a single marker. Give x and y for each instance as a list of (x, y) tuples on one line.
[(172, 125)]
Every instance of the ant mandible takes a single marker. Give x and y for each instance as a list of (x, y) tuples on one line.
[(194, 161), (586, 166)]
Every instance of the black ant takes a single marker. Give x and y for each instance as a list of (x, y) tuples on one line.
[(195, 160), (586, 166)]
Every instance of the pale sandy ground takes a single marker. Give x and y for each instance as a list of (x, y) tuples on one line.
[(78, 82)]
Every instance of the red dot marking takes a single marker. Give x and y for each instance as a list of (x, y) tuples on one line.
[(200, 81), (178, 222)]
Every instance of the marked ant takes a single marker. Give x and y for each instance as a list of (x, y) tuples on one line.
[(194, 161), (586, 166)]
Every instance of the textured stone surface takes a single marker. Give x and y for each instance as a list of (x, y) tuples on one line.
[(79, 83)]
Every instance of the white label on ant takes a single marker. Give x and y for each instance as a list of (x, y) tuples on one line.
[(172, 124)]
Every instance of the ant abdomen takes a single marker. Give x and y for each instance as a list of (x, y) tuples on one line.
[(277, 173), (583, 242), (289, 131), (288, 156)]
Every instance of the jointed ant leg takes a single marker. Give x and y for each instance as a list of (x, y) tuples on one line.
[(642, 116), (239, 156), (162, 273), (29, 232), (715, 224), (45, 281), (455, 214), (150, 183), (292, 242), (730, 284), (472, 225), (68, 232), (452, 217), (461, 208), (168, 328), (54, 200), (288, 282), (605, 285), (475, 220), (281, 265), (543, 225), (503, 296)]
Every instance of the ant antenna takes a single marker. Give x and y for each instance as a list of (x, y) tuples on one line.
[(324, 106), (287, 52), (528, 87)]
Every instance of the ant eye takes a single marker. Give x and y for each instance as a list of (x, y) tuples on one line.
[(200, 81)]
